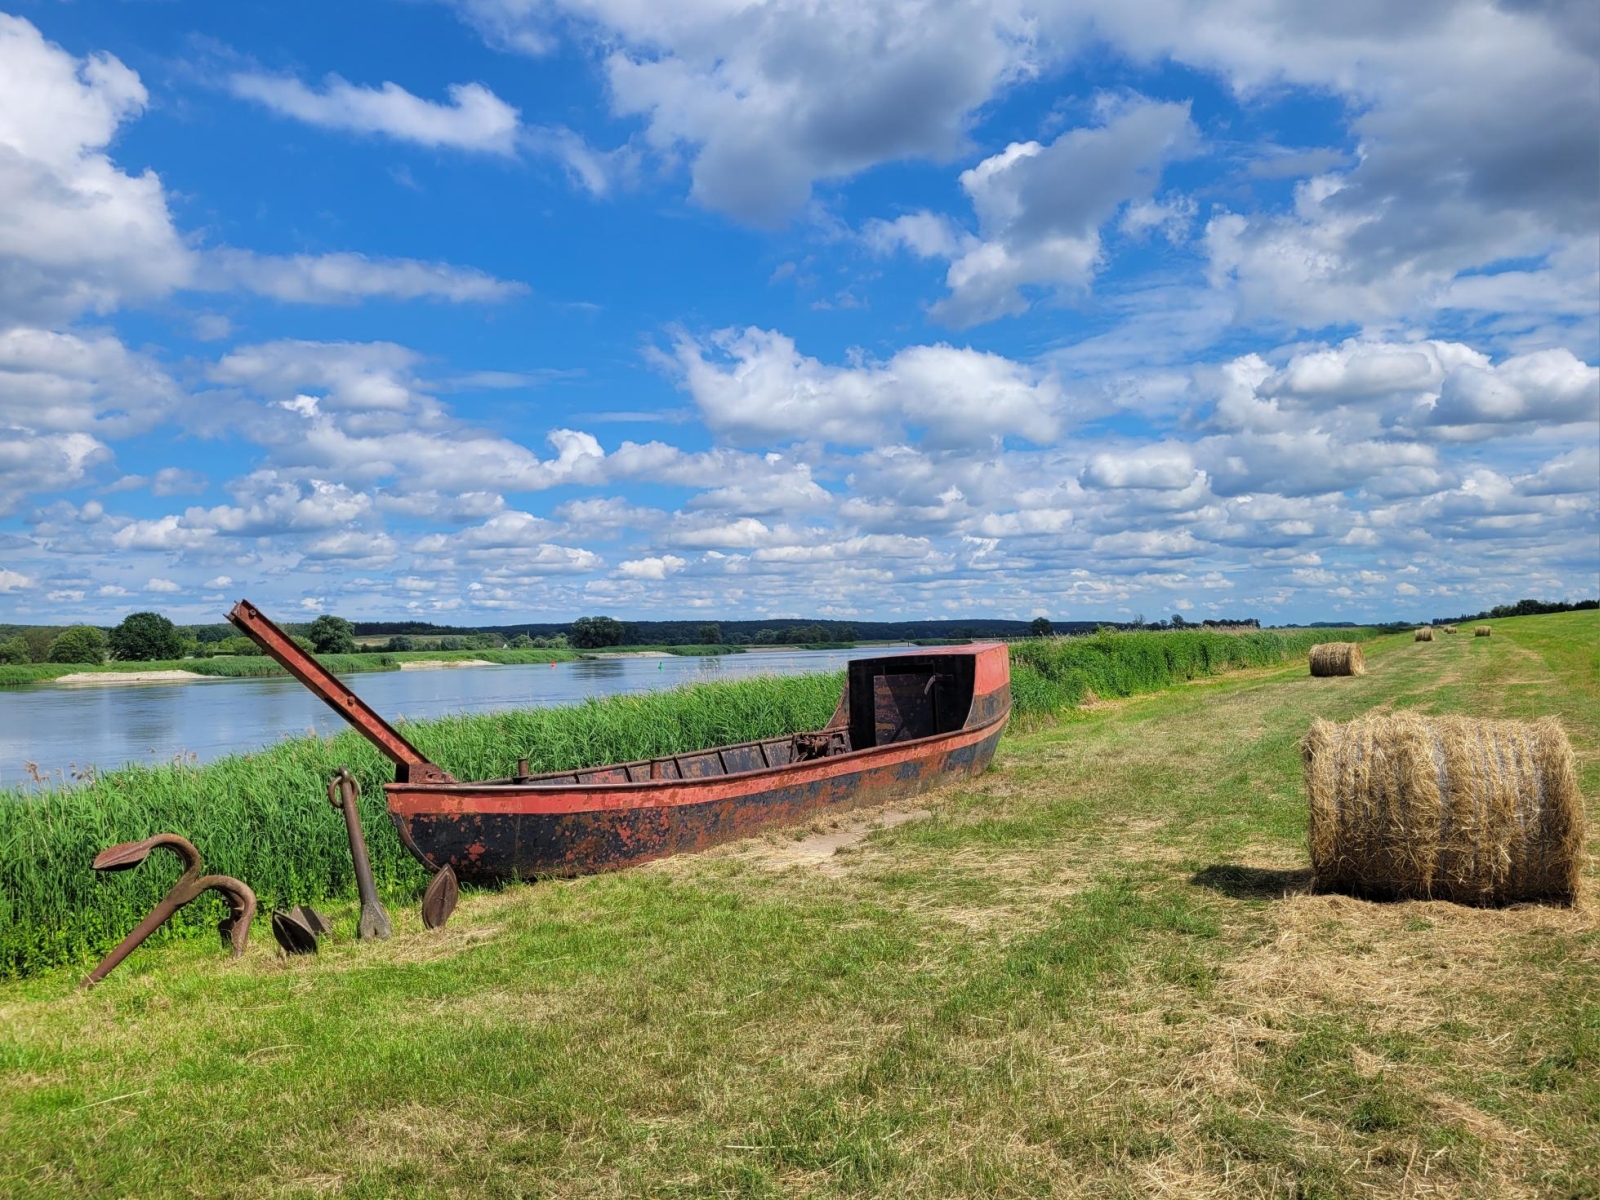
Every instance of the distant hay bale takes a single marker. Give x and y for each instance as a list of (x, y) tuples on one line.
[(1405, 807), (1449, 628), (1425, 634), (1483, 631), (1338, 658)]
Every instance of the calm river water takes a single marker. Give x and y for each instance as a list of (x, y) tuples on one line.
[(59, 727)]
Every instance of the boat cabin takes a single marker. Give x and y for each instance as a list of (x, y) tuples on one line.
[(895, 698)]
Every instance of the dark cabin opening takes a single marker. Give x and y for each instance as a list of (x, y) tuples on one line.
[(902, 699)]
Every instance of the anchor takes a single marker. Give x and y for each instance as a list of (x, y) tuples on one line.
[(343, 790), (234, 928)]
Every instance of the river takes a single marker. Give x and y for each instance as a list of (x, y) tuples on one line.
[(62, 729)]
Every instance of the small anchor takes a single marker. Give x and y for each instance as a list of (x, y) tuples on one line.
[(234, 928), (343, 791)]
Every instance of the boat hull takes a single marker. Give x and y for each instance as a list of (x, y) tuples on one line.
[(502, 833)]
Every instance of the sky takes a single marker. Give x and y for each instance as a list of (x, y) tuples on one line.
[(486, 311)]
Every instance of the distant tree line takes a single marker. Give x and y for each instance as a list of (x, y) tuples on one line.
[(1522, 608)]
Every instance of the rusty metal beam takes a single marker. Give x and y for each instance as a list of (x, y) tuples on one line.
[(415, 766)]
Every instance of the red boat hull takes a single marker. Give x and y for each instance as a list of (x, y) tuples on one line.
[(515, 833), (905, 723)]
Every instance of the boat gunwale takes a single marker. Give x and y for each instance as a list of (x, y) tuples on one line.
[(445, 788)]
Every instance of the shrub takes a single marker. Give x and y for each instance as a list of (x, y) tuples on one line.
[(15, 653)]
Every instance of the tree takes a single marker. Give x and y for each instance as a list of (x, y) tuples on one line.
[(521, 642), (38, 641), (1041, 627), (1178, 621), (145, 637), (710, 634), (332, 635), (79, 644), (14, 653), (590, 633), (400, 642)]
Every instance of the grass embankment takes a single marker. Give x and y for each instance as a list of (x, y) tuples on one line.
[(1093, 971), (258, 816)]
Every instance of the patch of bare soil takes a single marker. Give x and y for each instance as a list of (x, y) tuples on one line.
[(430, 664), (110, 677), (820, 848)]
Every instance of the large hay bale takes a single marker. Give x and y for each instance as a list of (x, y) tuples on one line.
[(1445, 808), (1483, 631), (1338, 658), (1425, 634)]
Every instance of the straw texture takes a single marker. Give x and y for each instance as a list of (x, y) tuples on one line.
[(1425, 634), (1406, 807), (1338, 658), (1483, 631)]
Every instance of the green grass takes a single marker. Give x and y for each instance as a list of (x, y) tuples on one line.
[(1093, 970), (1051, 674)]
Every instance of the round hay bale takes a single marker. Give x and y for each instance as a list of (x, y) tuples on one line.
[(1449, 628), (1405, 807), (1483, 631), (1338, 658), (1425, 634)]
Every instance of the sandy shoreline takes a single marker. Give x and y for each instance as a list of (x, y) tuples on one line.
[(433, 664), (129, 677)]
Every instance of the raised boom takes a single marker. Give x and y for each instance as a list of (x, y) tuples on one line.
[(412, 765)]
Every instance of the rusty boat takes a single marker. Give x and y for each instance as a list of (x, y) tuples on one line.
[(905, 723)]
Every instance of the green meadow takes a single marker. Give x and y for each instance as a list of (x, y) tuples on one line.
[(1096, 970)]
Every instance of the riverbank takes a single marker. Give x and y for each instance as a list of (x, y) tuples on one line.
[(1097, 968), (256, 666), (261, 816), (121, 677)]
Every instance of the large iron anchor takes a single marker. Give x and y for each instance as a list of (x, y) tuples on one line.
[(343, 791), (234, 928)]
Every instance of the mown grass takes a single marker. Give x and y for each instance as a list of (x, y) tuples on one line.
[(259, 816), (1094, 971), (1052, 674)]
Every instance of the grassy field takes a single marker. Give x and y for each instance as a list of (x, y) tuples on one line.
[(1095, 971)]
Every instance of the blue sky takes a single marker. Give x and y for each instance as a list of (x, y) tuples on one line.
[(503, 310)]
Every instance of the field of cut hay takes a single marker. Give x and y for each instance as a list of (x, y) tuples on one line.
[(1097, 971)]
